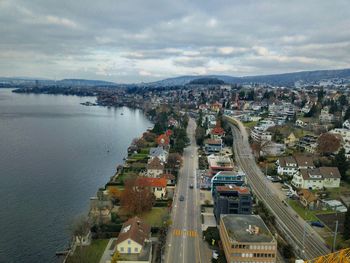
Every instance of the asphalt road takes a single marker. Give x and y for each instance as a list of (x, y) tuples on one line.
[(308, 243), (184, 239)]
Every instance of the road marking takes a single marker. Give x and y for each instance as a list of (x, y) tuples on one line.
[(185, 233)]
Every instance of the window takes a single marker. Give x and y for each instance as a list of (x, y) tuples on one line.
[(159, 188), (122, 249), (136, 249), (129, 242), (129, 250)]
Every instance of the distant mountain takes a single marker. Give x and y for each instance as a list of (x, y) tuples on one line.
[(206, 81), (84, 82), (285, 79)]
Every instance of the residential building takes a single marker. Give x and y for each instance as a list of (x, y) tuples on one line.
[(291, 140), (346, 124), (158, 186), (155, 168), (326, 117), (219, 163), (158, 152), (232, 199), (163, 140), (317, 178), (287, 165), (259, 134), (307, 143), (304, 161), (246, 238), (217, 132), (134, 243), (212, 146)]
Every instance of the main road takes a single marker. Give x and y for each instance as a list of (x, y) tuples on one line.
[(184, 239), (299, 233)]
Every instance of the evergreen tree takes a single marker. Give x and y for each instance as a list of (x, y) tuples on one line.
[(347, 114), (346, 232), (342, 163)]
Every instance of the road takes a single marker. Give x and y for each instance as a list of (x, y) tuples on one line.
[(308, 243), (184, 239)]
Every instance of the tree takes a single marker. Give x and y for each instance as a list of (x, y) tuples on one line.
[(347, 114), (328, 143), (114, 194), (341, 162), (346, 232), (116, 256), (79, 228), (200, 135), (343, 101), (174, 161), (136, 200)]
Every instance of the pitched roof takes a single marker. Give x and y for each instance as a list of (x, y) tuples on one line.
[(330, 172), (217, 130), (212, 141), (157, 151), (304, 160), (151, 182), (286, 160), (136, 230), (168, 176), (307, 195), (163, 139), (155, 164)]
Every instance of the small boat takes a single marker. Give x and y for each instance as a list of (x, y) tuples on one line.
[(122, 113)]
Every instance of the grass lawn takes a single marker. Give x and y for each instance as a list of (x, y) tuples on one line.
[(308, 215), (155, 216), (89, 254), (250, 124)]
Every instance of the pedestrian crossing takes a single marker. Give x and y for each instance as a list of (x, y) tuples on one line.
[(189, 233)]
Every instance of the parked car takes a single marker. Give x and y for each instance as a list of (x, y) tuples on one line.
[(182, 198), (317, 224), (191, 186)]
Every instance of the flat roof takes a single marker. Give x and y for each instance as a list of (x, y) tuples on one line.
[(237, 228)]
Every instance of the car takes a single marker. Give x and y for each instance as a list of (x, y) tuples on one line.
[(317, 224), (182, 198), (191, 186), (192, 156)]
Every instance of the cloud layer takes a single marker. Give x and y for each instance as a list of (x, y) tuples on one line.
[(137, 40)]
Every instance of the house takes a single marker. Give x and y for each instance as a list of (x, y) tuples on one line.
[(317, 178), (290, 140), (259, 134), (216, 106), (217, 132), (163, 140), (307, 143), (170, 178), (158, 186), (304, 161), (212, 146), (155, 168), (346, 124), (160, 153), (232, 199), (134, 243), (287, 165), (308, 199), (173, 122), (326, 117), (246, 238)]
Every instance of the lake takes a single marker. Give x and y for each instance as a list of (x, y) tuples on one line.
[(54, 155)]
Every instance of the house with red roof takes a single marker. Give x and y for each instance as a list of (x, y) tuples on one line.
[(158, 186), (163, 140), (217, 132)]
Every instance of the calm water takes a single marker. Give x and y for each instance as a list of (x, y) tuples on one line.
[(53, 157)]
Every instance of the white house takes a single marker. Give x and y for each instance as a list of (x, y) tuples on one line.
[(287, 166), (317, 178), (155, 168), (160, 153), (134, 241)]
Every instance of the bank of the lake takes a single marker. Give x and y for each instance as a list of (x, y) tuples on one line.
[(54, 154)]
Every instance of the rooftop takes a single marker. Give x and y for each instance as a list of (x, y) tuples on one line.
[(220, 161), (237, 227), (233, 188)]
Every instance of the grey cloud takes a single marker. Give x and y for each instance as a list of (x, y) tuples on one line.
[(135, 40)]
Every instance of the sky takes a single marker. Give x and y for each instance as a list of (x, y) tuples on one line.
[(128, 41)]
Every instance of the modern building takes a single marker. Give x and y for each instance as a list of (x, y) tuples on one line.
[(133, 242), (317, 178), (212, 146), (219, 163), (259, 134), (307, 143), (245, 238), (236, 177), (232, 199)]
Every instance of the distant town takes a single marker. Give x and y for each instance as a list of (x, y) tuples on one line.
[(230, 172)]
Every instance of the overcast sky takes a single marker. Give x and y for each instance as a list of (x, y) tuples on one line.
[(146, 40)]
